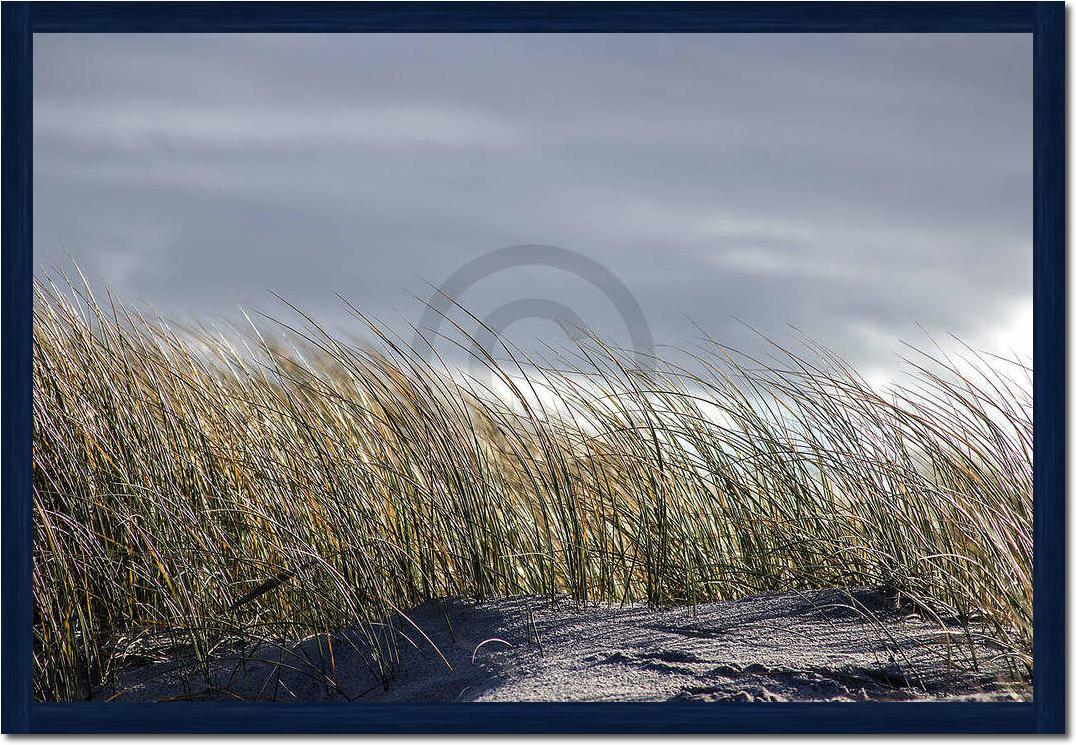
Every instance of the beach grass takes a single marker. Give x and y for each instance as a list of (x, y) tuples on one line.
[(197, 488)]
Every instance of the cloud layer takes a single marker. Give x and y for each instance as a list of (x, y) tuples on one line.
[(857, 187)]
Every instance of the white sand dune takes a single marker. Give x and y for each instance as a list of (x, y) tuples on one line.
[(793, 647)]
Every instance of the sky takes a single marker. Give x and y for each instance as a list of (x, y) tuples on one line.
[(861, 189)]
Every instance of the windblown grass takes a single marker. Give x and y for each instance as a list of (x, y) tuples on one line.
[(193, 489)]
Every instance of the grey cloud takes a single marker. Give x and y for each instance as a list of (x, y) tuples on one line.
[(133, 126), (855, 186)]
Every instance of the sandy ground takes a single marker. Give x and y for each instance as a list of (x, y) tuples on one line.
[(792, 647)]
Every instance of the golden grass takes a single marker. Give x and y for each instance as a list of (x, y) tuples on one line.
[(194, 488)]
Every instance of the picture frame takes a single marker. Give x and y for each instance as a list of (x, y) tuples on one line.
[(1045, 20)]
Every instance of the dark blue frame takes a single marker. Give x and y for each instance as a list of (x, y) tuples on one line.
[(1045, 20)]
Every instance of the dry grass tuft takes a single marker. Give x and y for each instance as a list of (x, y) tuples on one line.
[(192, 488)]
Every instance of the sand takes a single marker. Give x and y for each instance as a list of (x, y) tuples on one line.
[(791, 647)]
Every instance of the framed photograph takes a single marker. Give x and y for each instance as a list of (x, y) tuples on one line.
[(486, 367)]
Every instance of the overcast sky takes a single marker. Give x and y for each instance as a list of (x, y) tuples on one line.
[(854, 186)]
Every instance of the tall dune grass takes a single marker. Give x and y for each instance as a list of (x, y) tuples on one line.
[(193, 489)]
